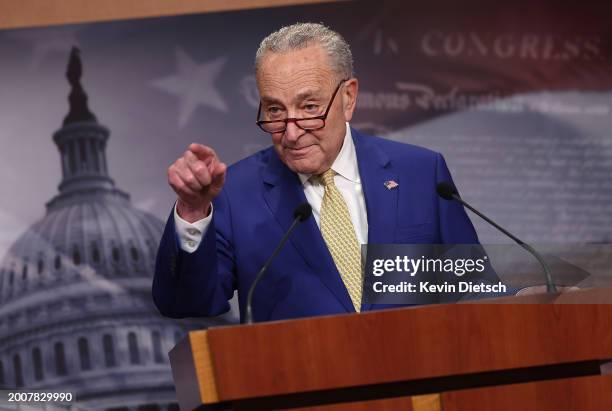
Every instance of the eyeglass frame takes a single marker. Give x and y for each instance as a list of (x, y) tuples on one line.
[(295, 120)]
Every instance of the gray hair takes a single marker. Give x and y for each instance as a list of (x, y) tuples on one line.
[(301, 35)]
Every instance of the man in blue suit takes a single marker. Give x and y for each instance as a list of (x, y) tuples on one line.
[(362, 189)]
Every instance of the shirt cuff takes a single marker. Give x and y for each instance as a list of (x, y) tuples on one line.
[(190, 234)]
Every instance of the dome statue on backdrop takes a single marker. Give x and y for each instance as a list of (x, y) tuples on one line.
[(75, 306)]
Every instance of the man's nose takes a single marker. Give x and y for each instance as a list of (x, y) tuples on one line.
[(293, 132)]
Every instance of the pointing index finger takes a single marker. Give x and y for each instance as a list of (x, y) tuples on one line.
[(202, 152)]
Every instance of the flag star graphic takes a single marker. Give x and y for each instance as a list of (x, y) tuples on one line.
[(194, 85)]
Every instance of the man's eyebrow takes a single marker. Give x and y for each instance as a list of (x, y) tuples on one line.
[(270, 100), (304, 95)]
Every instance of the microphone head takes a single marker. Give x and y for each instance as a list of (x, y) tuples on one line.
[(446, 190), (302, 212)]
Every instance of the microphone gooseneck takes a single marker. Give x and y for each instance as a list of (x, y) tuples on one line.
[(448, 192), (302, 213)]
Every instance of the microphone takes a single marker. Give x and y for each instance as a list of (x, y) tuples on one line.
[(300, 214), (448, 192)]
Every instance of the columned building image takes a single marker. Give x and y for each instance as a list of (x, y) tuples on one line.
[(76, 313)]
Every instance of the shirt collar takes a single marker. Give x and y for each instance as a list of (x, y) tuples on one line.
[(345, 163)]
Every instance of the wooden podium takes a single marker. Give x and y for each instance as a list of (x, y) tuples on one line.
[(531, 352)]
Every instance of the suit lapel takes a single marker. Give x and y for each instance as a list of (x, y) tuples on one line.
[(283, 192), (381, 202)]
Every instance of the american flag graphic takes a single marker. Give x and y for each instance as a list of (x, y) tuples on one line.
[(390, 184)]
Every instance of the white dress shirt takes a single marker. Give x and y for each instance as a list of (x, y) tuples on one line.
[(347, 180)]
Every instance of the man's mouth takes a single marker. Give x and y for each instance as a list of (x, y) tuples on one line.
[(298, 150)]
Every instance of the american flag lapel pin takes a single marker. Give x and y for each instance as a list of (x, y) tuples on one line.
[(391, 184)]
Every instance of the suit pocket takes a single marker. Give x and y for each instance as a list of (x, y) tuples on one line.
[(415, 234)]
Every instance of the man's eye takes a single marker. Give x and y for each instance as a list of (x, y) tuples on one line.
[(274, 110), (311, 108)]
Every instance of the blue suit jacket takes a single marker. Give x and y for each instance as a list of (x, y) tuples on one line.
[(256, 207)]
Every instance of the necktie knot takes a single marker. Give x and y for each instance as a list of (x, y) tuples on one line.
[(327, 178)]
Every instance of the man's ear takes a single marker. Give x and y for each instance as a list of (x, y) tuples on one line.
[(349, 97)]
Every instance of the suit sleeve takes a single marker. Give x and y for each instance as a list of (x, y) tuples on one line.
[(197, 284)]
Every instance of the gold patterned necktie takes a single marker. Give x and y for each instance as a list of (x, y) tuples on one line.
[(339, 234)]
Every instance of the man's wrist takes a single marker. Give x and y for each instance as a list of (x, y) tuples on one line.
[(192, 214)]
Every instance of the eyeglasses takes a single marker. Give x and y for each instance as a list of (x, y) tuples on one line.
[(307, 124)]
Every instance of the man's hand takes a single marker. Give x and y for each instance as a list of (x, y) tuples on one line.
[(197, 177)]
